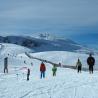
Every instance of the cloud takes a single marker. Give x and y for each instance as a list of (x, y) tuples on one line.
[(70, 16), (24, 9)]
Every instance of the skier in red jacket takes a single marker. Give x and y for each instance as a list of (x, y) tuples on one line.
[(42, 70)]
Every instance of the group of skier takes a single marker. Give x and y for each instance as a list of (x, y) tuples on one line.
[(42, 71), (90, 62)]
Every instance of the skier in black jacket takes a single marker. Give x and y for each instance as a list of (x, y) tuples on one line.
[(91, 63)]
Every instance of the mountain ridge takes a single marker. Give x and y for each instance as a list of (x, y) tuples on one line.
[(40, 45)]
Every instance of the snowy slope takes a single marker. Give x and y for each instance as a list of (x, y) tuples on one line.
[(11, 51), (67, 83)]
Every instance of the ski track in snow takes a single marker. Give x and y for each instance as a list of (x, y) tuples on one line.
[(49, 87)]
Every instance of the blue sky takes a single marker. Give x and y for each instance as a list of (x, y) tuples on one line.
[(74, 19)]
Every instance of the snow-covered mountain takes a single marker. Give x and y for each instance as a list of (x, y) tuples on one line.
[(12, 49), (41, 45)]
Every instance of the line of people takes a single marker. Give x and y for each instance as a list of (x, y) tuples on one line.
[(90, 62)]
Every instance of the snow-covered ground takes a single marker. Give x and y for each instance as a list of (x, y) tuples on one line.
[(12, 49), (67, 84)]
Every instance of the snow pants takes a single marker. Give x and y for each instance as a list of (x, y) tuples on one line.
[(28, 77), (54, 73), (5, 70), (91, 69), (42, 74), (79, 69)]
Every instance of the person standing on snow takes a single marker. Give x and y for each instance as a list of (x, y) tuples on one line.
[(91, 63), (79, 65), (54, 69), (28, 74), (6, 65), (42, 70)]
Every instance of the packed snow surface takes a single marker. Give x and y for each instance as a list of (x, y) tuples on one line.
[(67, 84)]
